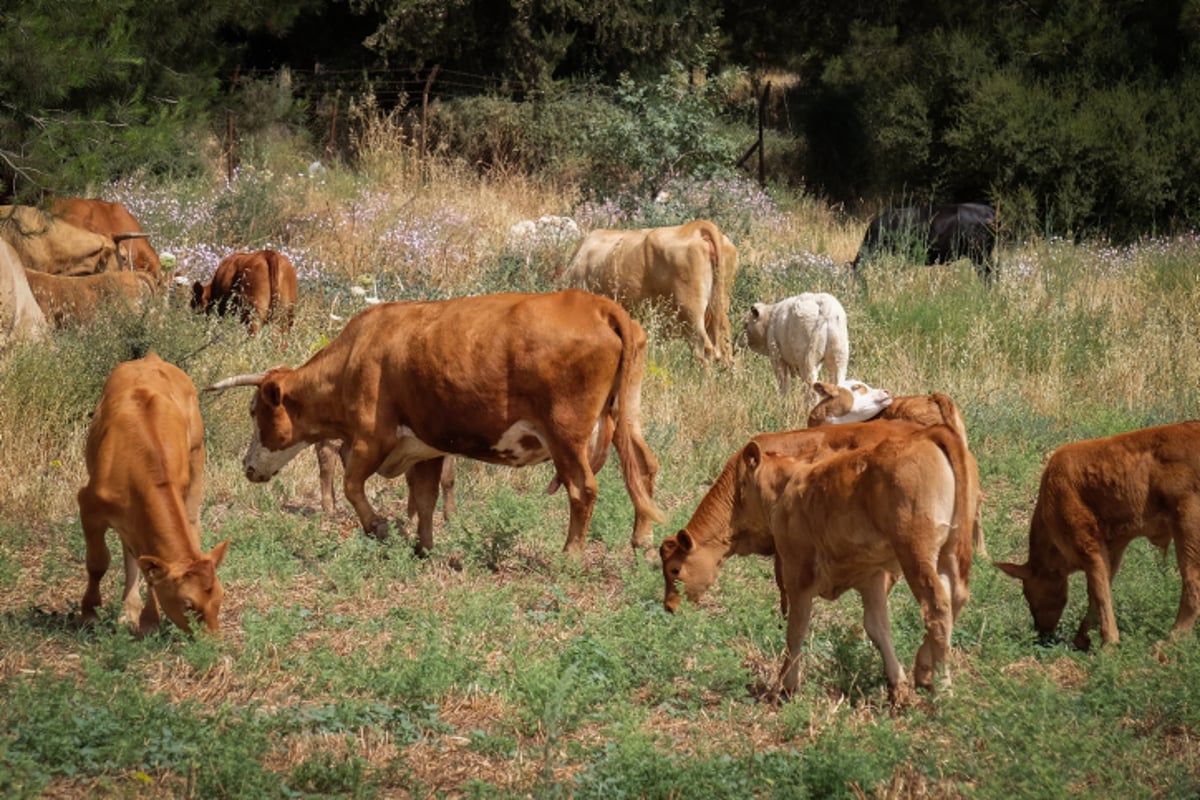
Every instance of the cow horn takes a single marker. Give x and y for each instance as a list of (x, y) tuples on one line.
[(252, 379), (120, 237)]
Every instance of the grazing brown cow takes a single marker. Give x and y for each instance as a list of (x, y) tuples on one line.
[(329, 455), (513, 379), (82, 298), (687, 268), (260, 287), (20, 315), (47, 244), (693, 557), (859, 520), (112, 219), (145, 462), (854, 401), (1097, 496)]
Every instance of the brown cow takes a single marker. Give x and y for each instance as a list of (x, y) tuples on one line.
[(145, 462), (260, 287), (854, 401), (82, 298), (112, 219), (687, 268), (693, 557), (1097, 496), (46, 244), (20, 315), (859, 520), (513, 379)]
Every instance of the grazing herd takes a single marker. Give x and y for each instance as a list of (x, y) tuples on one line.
[(876, 489)]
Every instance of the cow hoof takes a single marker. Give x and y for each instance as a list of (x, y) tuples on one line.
[(1083, 642), (378, 531)]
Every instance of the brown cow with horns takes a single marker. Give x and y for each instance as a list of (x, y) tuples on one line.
[(513, 379)]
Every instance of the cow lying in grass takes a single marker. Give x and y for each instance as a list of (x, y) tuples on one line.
[(855, 401), (1097, 496), (145, 462)]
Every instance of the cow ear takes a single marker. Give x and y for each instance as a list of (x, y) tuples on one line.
[(751, 455), (154, 568), (217, 554), (686, 543), (754, 312), (272, 392), (1021, 572), (824, 390), (668, 548)]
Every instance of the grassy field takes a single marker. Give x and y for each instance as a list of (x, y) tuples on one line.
[(500, 668)]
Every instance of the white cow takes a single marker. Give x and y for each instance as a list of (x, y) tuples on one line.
[(799, 334)]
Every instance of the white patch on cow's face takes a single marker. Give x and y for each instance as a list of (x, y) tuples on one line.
[(262, 464), (865, 402), (521, 445)]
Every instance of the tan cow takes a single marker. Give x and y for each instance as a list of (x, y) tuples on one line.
[(689, 269), (1096, 497), (145, 462), (855, 401), (693, 556), (46, 244), (260, 287), (20, 315), (82, 298), (859, 520), (513, 379), (112, 219)]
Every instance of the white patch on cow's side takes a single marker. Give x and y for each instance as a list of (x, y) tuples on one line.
[(514, 448), (262, 464), (408, 452)]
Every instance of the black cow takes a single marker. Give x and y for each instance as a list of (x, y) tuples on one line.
[(940, 233)]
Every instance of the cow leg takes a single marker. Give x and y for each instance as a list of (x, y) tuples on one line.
[(95, 526), (143, 617), (1099, 588), (328, 456), (448, 478), (783, 376), (195, 490), (361, 461), (799, 615), (933, 595), (423, 481), (582, 491), (874, 592)]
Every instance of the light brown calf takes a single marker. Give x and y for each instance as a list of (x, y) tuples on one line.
[(145, 462), (1097, 496), (859, 520), (83, 298)]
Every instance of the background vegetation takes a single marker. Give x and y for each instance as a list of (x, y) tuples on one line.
[(1076, 118), (499, 668)]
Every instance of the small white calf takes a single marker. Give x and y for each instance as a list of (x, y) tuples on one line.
[(799, 334)]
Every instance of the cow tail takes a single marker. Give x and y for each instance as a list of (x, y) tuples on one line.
[(638, 464), (950, 442), (273, 281), (716, 316)]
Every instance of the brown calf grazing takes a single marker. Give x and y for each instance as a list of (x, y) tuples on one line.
[(693, 557), (513, 379), (145, 462), (854, 401), (859, 520), (83, 298), (260, 287), (1097, 496), (688, 269)]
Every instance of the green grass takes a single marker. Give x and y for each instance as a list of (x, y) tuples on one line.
[(500, 668)]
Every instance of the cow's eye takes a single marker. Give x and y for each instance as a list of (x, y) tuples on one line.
[(675, 571)]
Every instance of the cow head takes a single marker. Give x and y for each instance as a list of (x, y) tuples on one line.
[(686, 562), (849, 401), (201, 296), (754, 327), (188, 591), (275, 441), (1046, 594)]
